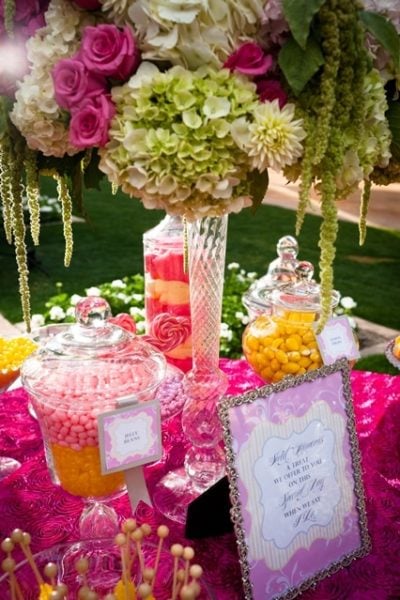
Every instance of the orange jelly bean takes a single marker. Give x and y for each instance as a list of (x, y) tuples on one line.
[(79, 472)]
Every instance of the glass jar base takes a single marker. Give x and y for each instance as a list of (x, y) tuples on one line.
[(8, 466), (175, 491)]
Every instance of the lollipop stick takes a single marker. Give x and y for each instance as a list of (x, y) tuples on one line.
[(162, 533), (24, 543)]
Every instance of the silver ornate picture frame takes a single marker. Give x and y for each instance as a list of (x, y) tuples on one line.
[(294, 471)]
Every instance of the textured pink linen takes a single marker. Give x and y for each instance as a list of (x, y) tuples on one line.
[(29, 500)]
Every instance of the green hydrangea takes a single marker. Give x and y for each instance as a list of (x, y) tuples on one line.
[(171, 143)]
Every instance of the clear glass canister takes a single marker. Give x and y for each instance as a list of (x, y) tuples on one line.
[(284, 343), (80, 371), (167, 303), (281, 272)]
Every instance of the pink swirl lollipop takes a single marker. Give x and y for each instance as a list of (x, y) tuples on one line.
[(168, 332), (125, 321)]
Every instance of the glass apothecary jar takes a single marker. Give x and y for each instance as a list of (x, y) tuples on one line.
[(284, 342), (281, 272), (80, 371)]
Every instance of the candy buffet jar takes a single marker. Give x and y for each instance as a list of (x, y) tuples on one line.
[(284, 343), (167, 303), (81, 371)]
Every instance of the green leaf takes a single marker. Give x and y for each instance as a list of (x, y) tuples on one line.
[(258, 187), (299, 14), (393, 117), (384, 32), (300, 65)]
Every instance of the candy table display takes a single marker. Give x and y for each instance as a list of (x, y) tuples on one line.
[(167, 292), (81, 371)]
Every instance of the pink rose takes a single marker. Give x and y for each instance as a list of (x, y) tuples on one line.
[(168, 332), (125, 321), (90, 122), (249, 59), (88, 4), (73, 83), (271, 89), (110, 51)]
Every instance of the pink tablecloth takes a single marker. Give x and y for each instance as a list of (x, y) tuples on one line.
[(29, 500)]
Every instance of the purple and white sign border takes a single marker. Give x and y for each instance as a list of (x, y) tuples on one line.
[(299, 432)]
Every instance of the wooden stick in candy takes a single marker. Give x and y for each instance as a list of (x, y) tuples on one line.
[(125, 588), (8, 566), (24, 539), (137, 537), (144, 591), (188, 555), (128, 527), (177, 552), (50, 570), (162, 533)]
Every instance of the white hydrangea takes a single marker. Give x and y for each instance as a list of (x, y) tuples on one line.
[(37, 321), (135, 311), (56, 313), (225, 332), (36, 113), (75, 299), (140, 326), (70, 312), (116, 10), (348, 303), (93, 291), (167, 28), (118, 284)]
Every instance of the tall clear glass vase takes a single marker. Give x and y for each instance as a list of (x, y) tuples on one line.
[(205, 384)]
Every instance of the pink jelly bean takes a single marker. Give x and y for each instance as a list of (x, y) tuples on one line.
[(76, 447), (77, 428)]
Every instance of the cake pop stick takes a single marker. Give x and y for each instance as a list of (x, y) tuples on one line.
[(188, 555), (187, 593), (8, 566), (177, 552), (120, 540), (144, 591), (24, 539), (128, 527), (137, 537), (50, 570), (162, 533)]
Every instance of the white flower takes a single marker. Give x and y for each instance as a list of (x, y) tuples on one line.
[(37, 320), (225, 332), (118, 283), (136, 311), (140, 326), (252, 275), (57, 313), (75, 299), (348, 303), (121, 296), (70, 312), (93, 291), (246, 320), (233, 266), (239, 315), (137, 297), (275, 136)]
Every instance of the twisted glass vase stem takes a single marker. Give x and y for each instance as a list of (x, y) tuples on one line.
[(205, 384)]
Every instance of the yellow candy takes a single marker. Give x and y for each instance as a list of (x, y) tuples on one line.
[(79, 472), (281, 356), (292, 343), (290, 367)]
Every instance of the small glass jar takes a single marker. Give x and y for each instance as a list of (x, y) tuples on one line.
[(167, 303), (80, 371), (284, 343), (281, 272)]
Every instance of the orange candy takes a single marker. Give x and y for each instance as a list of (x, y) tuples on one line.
[(79, 472)]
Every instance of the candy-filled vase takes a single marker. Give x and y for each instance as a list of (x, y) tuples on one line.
[(167, 302), (205, 384)]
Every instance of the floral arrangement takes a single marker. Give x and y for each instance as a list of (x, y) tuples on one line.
[(126, 296), (187, 105)]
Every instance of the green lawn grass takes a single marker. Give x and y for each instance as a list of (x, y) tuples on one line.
[(109, 245)]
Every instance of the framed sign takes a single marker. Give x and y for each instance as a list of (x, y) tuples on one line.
[(295, 482)]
